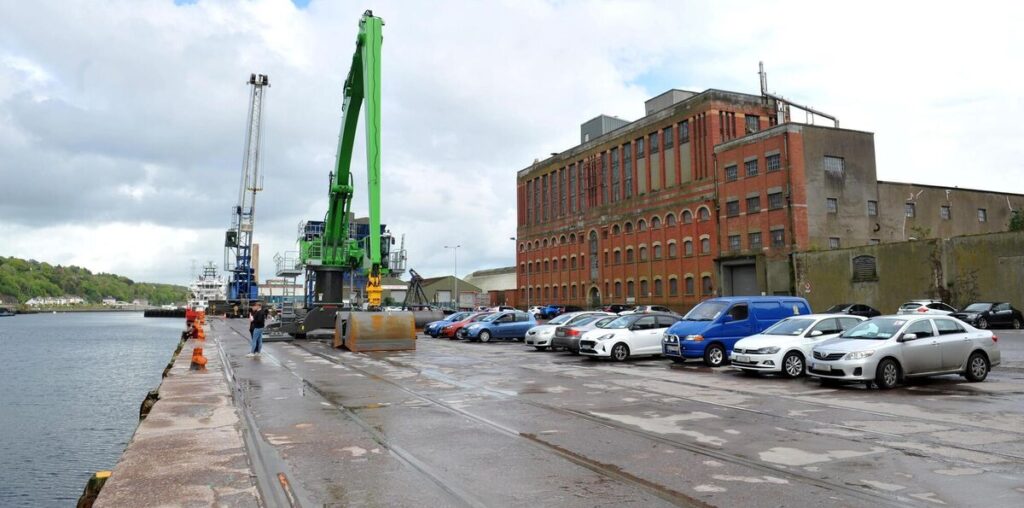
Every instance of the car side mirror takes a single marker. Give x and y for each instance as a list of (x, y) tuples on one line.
[(908, 336), (727, 318), (816, 333)]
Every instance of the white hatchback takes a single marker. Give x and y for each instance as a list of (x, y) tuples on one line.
[(627, 336), (786, 345)]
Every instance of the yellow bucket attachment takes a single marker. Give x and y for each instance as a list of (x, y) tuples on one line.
[(375, 331)]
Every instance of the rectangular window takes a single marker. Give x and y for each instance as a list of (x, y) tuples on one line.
[(750, 167), (910, 210), (604, 178), (833, 242), (536, 200), (982, 215), (832, 205), (944, 212), (544, 199), (616, 176), (754, 240), (734, 243), (572, 188), (528, 195), (562, 194), (652, 145), (778, 238), (773, 162), (753, 123), (639, 148), (731, 173), (754, 204), (732, 208), (834, 165), (684, 132), (669, 138), (872, 208), (581, 203), (775, 200), (627, 169)]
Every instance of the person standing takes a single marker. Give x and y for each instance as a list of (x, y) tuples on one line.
[(257, 319)]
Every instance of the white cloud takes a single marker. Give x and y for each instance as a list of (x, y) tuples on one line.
[(127, 117)]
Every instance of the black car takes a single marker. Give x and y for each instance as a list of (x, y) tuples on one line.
[(616, 308), (990, 315), (854, 309)]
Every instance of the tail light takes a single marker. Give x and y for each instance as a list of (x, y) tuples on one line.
[(995, 338), (572, 332), (922, 309)]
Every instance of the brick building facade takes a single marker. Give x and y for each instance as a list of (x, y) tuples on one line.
[(708, 194)]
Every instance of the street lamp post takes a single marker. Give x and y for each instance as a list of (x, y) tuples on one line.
[(527, 279), (455, 273)]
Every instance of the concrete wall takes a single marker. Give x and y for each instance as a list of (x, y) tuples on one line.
[(928, 200), (956, 270), (852, 188)]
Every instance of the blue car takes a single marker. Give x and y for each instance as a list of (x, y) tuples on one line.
[(500, 325), (434, 328), (711, 328)]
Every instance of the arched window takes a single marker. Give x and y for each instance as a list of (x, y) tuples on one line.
[(545, 292), (689, 285), (564, 264), (615, 229), (644, 288), (641, 225), (530, 292), (673, 287), (617, 256), (572, 238), (688, 248), (561, 240), (672, 250), (687, 217), (547, 265), (643, 253), (554, 265), (536, 244), (658, 287), (655, 222), (670, 220), (573, 291), (522, 294), (554, 241), (628, 227), (656, 251), (554, 293), (618, 289), (705, 246), (572, 262), (522, 267), (705, 285), (630, 289), (545, 243), (522, 247), (593, 255), (629, 254), (703, 213)]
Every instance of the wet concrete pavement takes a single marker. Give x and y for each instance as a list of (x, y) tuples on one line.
[(499, 424)]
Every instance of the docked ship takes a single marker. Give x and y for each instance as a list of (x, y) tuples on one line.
[(208, 286)]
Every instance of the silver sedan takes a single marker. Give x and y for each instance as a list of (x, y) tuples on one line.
[(885, 350)]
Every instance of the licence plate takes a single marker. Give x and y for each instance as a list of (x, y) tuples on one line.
[(672, 349), (822, 366), (743, 358)]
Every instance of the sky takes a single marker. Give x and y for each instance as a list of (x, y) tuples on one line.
[(122, 122)]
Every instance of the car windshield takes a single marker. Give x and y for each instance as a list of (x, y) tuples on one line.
[(603, 322), (978, 307), (911, 305), (622, 322), (836, 308), (790, 326), (458, 317), (561, 319), (875, 329), (707, 311), (492, 317), (480, 317), (583, 320)]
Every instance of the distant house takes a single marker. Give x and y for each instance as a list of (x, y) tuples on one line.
[(50, 301), (111, 301), (142, 302)]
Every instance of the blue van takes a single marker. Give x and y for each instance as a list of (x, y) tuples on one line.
[(711, 328)]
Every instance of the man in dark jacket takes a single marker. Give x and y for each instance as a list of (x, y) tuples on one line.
[(257, 319)]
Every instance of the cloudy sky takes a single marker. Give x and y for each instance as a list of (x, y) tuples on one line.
[(122, 122)]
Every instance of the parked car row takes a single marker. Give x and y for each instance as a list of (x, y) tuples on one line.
[(766, 334)]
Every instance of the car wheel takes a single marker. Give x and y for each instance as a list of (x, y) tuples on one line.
[(485, 336), (714, 355), (982, 323), (887, 375), (977, 368), (620, 352), (1016, 323), (793, 365), (541, 348)]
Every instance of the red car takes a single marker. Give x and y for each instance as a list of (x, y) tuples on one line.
[(452, 331)]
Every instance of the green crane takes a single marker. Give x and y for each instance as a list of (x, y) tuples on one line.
[(328, 249)]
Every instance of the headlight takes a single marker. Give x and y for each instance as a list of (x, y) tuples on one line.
[(606, 336), (859, 355), (669, 338), (768, 350), (695, 338)]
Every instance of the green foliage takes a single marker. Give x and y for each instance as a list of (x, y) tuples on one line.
[(1016, 221), (24, 279)]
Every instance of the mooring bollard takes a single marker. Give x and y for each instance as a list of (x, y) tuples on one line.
[(198, 360)]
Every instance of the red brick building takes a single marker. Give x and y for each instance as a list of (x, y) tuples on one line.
[(707, 194)]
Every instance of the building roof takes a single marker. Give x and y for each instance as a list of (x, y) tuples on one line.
[(494, 279)]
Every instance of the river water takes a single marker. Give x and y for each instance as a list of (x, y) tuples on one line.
[(70, 389)]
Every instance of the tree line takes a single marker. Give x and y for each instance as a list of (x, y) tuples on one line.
[(22, 280)]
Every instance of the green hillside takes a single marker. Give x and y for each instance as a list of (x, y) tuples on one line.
[(21, 280)]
